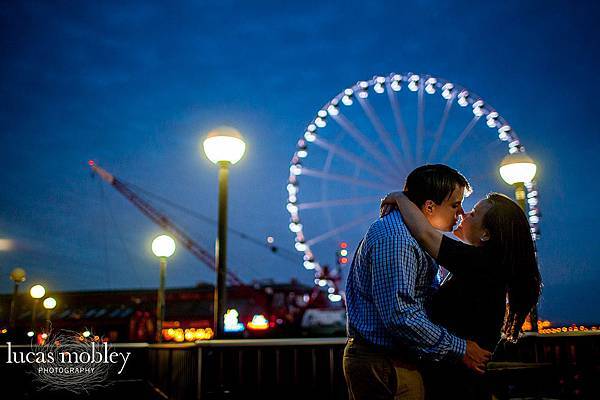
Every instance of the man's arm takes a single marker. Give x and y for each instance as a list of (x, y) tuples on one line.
[(394, 262)]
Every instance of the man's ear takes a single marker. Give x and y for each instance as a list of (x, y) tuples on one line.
[(485, 236), (428, 207)]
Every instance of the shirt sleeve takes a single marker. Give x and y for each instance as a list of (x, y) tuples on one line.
[(461, 258), (394, 262)]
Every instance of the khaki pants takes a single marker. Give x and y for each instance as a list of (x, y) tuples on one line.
[(372, 374)]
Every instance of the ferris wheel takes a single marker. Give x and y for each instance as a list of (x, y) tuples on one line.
[(363, 143)]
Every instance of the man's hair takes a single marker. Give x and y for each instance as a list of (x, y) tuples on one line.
[(434, 182)]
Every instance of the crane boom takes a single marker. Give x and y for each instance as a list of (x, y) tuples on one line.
[(163, 221)]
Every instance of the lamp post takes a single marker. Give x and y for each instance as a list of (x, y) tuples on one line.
[(18, 276), (223, 146), (163, 246), (518, 169), (36, 292), (49, 304)]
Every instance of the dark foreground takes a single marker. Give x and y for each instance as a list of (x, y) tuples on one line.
[(562, 366)]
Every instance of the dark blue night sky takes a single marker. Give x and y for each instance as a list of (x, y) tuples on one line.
[(136, 86)]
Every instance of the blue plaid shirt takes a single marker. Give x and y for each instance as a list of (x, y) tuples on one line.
[(389, 284)]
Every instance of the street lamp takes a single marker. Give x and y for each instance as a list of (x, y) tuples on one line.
[(163, 246), (36, 292), (223, 146), (18, 276), (49, 304), (518, 169)]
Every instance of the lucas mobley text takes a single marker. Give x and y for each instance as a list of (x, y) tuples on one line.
[(98, 354)]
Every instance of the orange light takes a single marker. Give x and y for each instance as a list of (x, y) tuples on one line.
[(344, 260), (343, 245), (258, 323)]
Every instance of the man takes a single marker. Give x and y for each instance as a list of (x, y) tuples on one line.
[(388, 287)]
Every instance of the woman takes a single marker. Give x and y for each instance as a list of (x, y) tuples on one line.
[(494, 282)]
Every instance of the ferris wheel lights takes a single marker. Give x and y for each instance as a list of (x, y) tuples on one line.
[(320, 122), (335, 297), (413, 84), (300, 246), (302, 153), (292, 189), (332, 110), (347, 100), (379, 88), (310, 136), (491, 119), (292, 198), (532, 212), (533, 201), (534, 219), (309, 265), (430, 85), (292, 208), (331, 290), (296, 169), (503, 132), (478, 108), (395, 85), (364, 85), (462, 98), (295, 227), (380, 79), (322, 114), (447, 91), (533, 193), (322, 282)]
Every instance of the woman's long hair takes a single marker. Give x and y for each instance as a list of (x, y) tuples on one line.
[(510, 239)]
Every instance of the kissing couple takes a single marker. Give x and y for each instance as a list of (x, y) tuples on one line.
[(410, 337)]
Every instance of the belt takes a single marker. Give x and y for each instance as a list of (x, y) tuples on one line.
[(394, 354)]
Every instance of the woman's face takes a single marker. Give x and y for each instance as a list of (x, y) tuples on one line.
[(471, 228)]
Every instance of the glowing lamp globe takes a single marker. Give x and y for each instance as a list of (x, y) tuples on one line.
[(37, 291), (17, 275), (49, 303), (224, 144), (163, 246), (518, 167)]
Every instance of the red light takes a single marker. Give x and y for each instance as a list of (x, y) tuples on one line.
[(91, 163), (343, 245), (344, 260)]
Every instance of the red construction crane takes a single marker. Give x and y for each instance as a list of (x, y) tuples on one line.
[(161, 220)]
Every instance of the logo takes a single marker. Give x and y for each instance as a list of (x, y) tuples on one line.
[(67, 360)]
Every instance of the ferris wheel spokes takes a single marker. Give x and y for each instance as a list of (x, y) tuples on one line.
[(441, 128), (362, 139), (340, 229), (353, 158), (463, 135), (400, 126), (420, 124), (338, 202), (344, 178), (384, 135)]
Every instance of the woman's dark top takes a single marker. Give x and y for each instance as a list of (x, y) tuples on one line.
[(470, 304)]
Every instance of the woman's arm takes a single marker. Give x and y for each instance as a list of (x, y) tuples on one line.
[(427, 236)]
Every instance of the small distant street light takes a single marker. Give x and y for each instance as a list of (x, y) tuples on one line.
[(518, 169), (49, 304), (36, 292), (223, 146), (18, 276), (163, 246)]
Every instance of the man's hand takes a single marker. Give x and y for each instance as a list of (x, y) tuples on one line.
[(476, 358)]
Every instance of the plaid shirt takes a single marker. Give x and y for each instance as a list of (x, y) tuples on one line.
[(388, 287)]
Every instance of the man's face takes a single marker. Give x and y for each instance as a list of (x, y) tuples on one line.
[(444, 216)]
